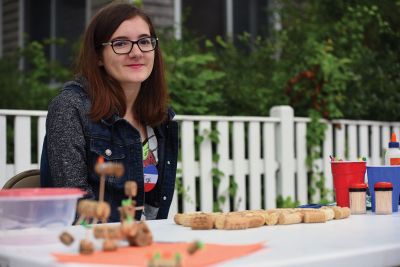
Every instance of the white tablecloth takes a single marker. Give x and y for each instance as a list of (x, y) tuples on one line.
[(360, 240)]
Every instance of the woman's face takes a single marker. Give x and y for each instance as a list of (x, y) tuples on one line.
[(135, 67)]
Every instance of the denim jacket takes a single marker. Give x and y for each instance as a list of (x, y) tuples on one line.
[(73, 143)]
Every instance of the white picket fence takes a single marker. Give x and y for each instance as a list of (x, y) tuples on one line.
[(264, 156)]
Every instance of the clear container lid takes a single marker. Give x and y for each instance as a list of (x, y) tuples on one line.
[(21, 194)]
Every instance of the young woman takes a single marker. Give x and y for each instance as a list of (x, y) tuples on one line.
[(116, 108)]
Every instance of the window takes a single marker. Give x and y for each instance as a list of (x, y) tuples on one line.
[(204, 18), (37, 21), (209, 18), (70, 25), (250, 16), (54, 19)]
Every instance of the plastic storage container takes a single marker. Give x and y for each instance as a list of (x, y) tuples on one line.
[(38, 207)]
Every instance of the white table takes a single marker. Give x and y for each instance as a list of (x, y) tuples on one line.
[(361, 240)]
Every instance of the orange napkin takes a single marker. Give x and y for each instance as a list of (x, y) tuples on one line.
[(140, 256)]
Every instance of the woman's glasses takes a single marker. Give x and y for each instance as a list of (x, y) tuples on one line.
[(122, 47)]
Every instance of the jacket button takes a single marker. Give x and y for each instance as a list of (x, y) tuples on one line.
[(168, 162), (108, 152), (164, 198)]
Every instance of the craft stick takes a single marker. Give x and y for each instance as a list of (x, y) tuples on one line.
[(102, 188), (99, 170)]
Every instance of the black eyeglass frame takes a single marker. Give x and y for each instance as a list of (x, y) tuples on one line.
[(132, 44)]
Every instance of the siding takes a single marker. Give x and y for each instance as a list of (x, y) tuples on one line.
[(97, 4), (161, 12), (10, 26)]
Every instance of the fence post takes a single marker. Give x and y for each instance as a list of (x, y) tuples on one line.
[(285, 150), (3, 151), (22, 143)]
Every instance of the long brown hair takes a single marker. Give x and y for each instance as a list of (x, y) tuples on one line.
[(106, 94)]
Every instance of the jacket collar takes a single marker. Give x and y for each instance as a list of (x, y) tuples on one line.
[(112, 120)]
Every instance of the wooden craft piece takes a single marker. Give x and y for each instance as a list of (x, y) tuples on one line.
[(202, 222), (214, 215), (109, 245), (158, 261), (255, 220), (66, 238), (129, 229), (341, 212), (219, 221), (194, 247), (130, 188), (143, 236), (315, 216), (187, 218), (281, 210), (91, 209), (329, 213), (178, 218), (108, 168), (86, 247), (271, 218), (107, 231), (235, 222), (290, 218), (127, 211)]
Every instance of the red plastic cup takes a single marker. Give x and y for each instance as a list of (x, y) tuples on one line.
[(344, 174)]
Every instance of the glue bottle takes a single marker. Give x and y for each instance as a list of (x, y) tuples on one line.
[(392, 155)]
